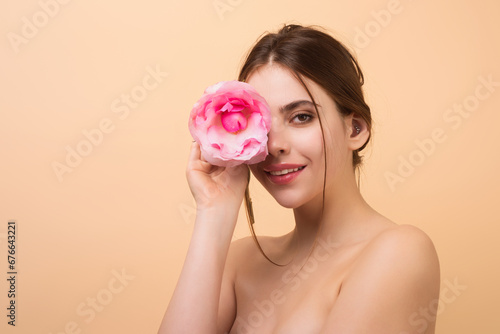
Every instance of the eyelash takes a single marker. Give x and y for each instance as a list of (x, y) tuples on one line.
[(309, 118)]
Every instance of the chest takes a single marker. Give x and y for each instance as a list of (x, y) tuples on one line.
[(295, 299)]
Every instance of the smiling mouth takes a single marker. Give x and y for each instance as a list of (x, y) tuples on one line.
[(285, 171)]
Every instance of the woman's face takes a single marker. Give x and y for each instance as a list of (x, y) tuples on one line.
[(293, 171)]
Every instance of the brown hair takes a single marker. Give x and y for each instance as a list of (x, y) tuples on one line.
[(311, 53)]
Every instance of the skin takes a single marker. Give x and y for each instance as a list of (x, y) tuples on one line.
[(365, 274)]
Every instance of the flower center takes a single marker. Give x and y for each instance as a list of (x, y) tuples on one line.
[(233, 121)]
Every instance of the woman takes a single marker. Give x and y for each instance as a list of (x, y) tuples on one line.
[(344, 268)]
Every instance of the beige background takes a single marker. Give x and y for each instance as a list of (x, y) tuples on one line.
[(126, 207)]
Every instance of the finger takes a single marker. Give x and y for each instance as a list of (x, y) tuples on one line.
[(195, 152), (196, 160), (238, 169), (202, 158)]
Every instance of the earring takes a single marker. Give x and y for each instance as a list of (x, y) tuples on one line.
[(358, 129)]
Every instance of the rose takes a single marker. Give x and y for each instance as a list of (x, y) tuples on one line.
[(231, 122)]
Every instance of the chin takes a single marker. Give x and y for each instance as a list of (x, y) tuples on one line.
[(288, 204), (290, 201), (298, 200)]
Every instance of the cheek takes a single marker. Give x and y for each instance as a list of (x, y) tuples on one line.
[(310, 143)]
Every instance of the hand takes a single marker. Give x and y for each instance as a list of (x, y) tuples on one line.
[(214, 186)]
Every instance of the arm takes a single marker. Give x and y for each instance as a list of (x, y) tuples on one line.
[(194, 306), (392, 288)]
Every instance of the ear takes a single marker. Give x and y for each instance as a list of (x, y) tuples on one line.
[(357, 131)]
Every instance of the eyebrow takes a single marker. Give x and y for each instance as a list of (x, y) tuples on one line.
[(295, 104)]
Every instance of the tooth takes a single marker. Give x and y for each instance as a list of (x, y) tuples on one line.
[(284, 171)]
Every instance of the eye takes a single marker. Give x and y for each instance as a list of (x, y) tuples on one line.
[(301, 118)]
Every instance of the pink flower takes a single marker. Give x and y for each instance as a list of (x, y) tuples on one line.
[(231, 122)]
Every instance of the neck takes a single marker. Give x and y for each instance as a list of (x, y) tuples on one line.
[(338, 220)]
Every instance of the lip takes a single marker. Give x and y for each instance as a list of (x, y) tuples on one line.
[(283, 179), (276, 167)]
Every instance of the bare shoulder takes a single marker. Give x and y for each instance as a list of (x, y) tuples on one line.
[(404, 241), (239, 250), (395, 275), (241, 247), (400, 258), (247, 246), (398, 247), (404, 237)]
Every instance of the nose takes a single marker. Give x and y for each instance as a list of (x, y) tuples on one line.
[(277, 140)]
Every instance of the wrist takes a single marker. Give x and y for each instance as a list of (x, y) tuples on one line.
[(217, 216), (219, 209)]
